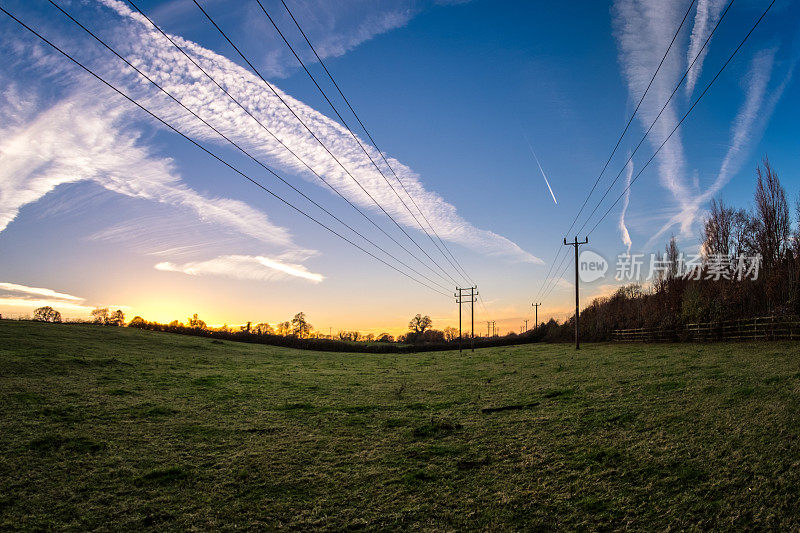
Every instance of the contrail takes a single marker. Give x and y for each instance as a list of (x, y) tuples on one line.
[(541, 170)]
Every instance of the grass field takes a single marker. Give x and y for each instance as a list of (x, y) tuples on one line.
[(108, 428)]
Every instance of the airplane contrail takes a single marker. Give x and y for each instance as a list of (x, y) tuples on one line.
[(541, 170)]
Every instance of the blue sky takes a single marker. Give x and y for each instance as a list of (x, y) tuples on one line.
[(105, 205)]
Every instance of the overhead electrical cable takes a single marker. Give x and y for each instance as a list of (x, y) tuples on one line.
[(616, 146), (457, 266), (319, 141), (303, 162), (203, 148), (685, 115)]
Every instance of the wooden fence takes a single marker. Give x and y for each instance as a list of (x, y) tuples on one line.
[(760, 328)]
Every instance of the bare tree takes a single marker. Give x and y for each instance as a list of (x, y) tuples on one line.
[(773, 224), (100, 315), (264, 329), (117, 318), (450, 333), (797, 231), (300, 325), (672, 255), (718, 228), (46, 314), (420, 323), (743, 234), (195, 322)]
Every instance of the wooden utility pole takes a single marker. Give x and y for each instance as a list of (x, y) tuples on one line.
[(472, 294), (536, 324), (577, 244), (461, 299), (526, 325), (458, 300)]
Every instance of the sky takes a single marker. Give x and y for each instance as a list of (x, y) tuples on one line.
[(103, 205)]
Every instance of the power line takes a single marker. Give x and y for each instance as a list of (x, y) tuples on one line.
[(655, 120), (457, 265), (274, 92), (260, 123), (619, 141), (661, 111), (685, 115), (237, 146), (683, 118), (204, 149)]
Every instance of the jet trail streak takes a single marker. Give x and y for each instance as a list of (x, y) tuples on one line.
[(542, 171)]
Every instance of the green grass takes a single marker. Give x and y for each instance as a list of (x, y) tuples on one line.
[(112, 428)]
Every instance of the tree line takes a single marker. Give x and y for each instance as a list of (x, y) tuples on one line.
[(712, 291), (100, 315)]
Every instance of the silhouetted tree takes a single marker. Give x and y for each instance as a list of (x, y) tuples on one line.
[(46, 314), (420, 323), (300, 326), (195, 322), (117, 318), (100, 315), (138, 322), (264, 329), (431, 335), (450, 333), (385, 337)]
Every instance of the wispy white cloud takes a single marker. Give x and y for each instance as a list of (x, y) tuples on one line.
[(29, 304), (706, 16), (334, 28), (151, 51), (22, 298), (75, 140), (750, 121), (244, 267), (643, 30), (623, 228), (38, 291)]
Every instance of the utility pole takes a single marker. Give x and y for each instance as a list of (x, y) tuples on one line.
[(458, 300), (473, 292), (576, 244), (536, 324), (526, 325), (461, 299)]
